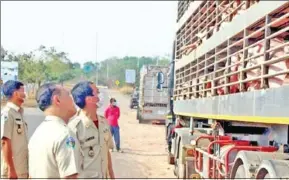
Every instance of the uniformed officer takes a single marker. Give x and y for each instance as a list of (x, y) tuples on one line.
[(14, 155), (54, 151), (105, 149), (92, 132)]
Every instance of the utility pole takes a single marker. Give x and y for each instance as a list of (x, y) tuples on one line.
[(96, 75), (137, 73), (107, 71)]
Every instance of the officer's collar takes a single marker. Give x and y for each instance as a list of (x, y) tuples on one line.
[(13, 106), (86, 119), (54, 118)]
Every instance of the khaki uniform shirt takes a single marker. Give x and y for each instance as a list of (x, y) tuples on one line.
[(14, 128), (54, 151), (108, 143), (93, 142)]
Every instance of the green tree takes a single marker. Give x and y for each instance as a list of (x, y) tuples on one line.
[(3, 53), (48, 64), (76, 66)]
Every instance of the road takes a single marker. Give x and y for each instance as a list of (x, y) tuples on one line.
[(144, 153)]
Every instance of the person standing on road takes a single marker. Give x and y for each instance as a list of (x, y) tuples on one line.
[(54, 151), (92, 132), (14, 140), (112, 114)]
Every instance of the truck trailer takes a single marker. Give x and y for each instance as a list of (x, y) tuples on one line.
[(231, 74)]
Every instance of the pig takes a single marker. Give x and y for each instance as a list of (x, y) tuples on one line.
[(275, 81)]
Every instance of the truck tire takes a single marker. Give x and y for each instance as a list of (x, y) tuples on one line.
[(137, 114), (140, 120)]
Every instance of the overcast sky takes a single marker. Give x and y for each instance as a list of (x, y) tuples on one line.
[(122, 28)]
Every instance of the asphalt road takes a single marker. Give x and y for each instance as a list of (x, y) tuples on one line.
[(124, 165)]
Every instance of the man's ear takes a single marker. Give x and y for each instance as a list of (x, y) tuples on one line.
[(15, 94), (55, 100), (90, 99), (87, 99)]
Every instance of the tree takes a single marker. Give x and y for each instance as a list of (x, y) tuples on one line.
[(68, 75), (48, 64), (31, 70), (3, 53), (76, 66)]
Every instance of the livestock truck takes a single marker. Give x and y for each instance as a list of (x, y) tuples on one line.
[(231, 76), (152, 106)]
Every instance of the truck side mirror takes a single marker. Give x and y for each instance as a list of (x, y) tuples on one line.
[(160, 78), (159, 87)]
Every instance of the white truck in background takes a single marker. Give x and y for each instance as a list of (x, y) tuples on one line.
[(152, 107), (9, 71)]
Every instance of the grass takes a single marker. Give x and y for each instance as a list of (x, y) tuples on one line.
[(126, 90)]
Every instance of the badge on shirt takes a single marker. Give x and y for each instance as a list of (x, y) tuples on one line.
[(90, 138), (70, 142), (91, 152)]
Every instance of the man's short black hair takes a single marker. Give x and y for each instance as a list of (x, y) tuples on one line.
[(112, 100), (45, 93), (80, 91), (10, 86)]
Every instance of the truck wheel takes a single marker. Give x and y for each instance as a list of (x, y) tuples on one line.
[(240, 172), (137, 114)]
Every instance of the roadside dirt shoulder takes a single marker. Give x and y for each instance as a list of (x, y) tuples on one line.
[(143, 143)]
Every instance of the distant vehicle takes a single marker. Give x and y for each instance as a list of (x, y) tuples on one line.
[(9, 71), (134, 99), (153, 102)]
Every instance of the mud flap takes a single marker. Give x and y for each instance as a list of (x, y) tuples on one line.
[(171, 158)]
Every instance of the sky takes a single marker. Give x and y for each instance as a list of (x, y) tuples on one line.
[(90, 30)]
